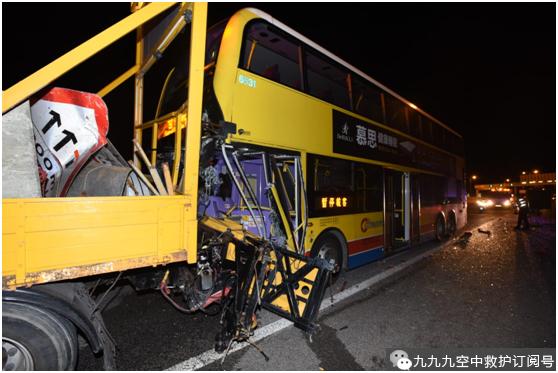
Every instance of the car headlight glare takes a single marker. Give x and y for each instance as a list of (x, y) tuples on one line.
[(485, 202)]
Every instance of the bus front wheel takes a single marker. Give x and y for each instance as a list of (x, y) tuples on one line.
[(329, 248)]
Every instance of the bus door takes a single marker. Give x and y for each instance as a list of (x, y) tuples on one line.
[(397, 210), (287, 176)]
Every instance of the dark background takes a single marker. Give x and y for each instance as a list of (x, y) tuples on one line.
[(487, 70)]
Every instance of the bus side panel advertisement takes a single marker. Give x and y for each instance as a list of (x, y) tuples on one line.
[(357, 138)]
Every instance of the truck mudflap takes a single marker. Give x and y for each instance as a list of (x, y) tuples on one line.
[(264, 275)]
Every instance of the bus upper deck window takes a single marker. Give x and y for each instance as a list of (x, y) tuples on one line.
[(367, 100), (213, 41), (426, 129), (271, 54), (414, 122), (326, 80), (395, 112)]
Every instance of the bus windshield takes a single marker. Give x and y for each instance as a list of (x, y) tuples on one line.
[(176, 91)]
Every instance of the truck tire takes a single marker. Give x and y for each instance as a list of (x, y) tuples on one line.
[(36, 339)]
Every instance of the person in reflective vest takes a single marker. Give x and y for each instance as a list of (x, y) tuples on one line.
[(522, 218)]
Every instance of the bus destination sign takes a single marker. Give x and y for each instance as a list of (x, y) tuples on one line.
[(331, 202), (357, 138)]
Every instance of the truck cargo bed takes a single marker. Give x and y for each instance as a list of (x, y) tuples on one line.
[(53, 239)]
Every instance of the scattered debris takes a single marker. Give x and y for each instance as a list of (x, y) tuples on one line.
[(484, 232), (464, 238), (344, 327)]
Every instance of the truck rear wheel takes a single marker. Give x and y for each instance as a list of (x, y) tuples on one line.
[(36, 339)]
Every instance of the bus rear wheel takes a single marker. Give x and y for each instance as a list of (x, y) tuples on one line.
[(452, 226), (36, 339), (329, 248), (440, 228)]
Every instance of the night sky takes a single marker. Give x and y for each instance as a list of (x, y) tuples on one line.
[(486, 70)]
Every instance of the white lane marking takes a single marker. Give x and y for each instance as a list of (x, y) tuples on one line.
[(327, 302), (211, 356)]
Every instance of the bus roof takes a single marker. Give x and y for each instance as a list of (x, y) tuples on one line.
[(324, 51)]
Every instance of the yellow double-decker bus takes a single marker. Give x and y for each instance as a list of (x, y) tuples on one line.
[(281, 164), (380, 174)]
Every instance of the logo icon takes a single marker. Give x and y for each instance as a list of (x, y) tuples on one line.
[(400, 359), (364, 228), (345, 129), (404, 364)]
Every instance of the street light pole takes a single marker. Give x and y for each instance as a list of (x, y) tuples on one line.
[(472, 185)]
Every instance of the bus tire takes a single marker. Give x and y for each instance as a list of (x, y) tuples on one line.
[(440, 228), (328, 247), (452, 226), (36, 339)]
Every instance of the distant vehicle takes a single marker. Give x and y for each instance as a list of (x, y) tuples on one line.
[(494, 199)]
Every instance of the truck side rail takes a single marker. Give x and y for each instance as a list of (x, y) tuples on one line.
[(33, 83)]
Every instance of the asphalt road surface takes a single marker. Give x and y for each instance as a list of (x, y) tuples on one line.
[(495, 289)]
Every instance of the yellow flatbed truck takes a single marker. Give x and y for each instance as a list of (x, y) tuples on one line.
[(107, 220)]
